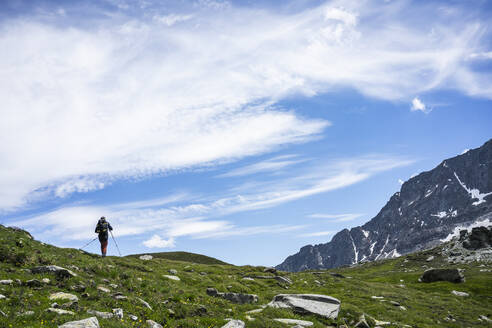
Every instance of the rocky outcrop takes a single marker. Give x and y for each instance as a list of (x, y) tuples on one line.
[(85, 323), (233, 297), (322, 305), (54, 269), (480, 237), (451, 275), (425, 212)]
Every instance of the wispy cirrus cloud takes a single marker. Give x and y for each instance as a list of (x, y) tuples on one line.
[(121, 95), (187, 215), (336, 217)]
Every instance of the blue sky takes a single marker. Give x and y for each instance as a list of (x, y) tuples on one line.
[(239, 130)]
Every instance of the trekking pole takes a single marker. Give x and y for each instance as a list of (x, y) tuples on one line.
[(115, 243), (88, 243)]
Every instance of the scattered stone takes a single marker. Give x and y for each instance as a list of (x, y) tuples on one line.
[(171, 277), (153, 324), (144, 303), (2, 297), (78, 288), (104, 315), (484, 318), (118, 312), (381, 323), (234, 324), (23, 314), (63, 296), (403, 308), (146, 257), (248, 278), (45, 281), (301, 323), (395, 303), (430, 258), (70, 305), (173, 272), (85, 323), (103, 289), (233, 297), (119, 296), (58, 271), (283, 280), (462, 294), (377, 297), (322, 305), (270, 270), (6, 282), (451, 275), (255, 311), (33, 283), (114, 286), (133, 317), (60, 311)]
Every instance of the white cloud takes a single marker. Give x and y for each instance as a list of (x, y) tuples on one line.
[(172, 19), (270, 165), (157, 242), (318, 233), (124, 97), (336, 217), (418, 105), (481, 55), (183, 215)]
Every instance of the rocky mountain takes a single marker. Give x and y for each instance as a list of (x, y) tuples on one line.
[(429, 208)]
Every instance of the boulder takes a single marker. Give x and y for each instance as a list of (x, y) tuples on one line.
[(233, 297), (144, 303), (118, 312), (63, 296), (59, 272), (451, 275), (146, 257), (462, 294), (153, 324), (322, 305), (302, 323), (234, 324), (104, 315), (85, 323), (59, 311)]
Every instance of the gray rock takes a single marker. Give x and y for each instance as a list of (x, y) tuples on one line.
[(104, 315), (233, 297), (322, 305), (63, 296), (58, 271), (144, 303), (118, 312), (133, 317), (146, 257), (270, 270), (430, 258), (78, 288), (234, 324), (173, 272), (6, 282), (283, 280), (25, 313), (103, 289), (176, 278), (484, 318), (85, 323), (462, 294), (255, 311), (248, 278), (451, 275), (153, 324), (59, 311), (302, 323), (119, 296)]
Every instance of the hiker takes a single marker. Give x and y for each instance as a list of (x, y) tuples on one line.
[(102, 229)]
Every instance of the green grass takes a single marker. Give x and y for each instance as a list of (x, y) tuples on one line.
[(180, 303), (184, 257)]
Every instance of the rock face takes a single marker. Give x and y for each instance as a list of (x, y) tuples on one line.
[(58, 271), (426, 211), (86, 323), (233, 297), (480, 237), (451, 275), (322, 305)]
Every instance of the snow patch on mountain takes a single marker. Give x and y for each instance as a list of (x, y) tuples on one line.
[(474, 193)]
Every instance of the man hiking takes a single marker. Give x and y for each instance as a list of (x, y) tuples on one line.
[(102, 229)]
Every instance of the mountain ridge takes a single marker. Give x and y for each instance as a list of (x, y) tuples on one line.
[(426, 210)]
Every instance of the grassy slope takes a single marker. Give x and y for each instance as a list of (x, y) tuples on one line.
[(184, 257), (427, 304)]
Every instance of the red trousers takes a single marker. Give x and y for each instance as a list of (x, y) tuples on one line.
[(104, 247)]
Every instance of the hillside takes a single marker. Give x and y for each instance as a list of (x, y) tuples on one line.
[(183, 256), (386, 290), (427, 209)]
